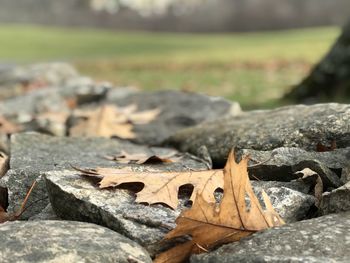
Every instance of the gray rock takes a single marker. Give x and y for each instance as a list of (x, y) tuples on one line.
[(52, 73), (179, 110), (23, 108), (293, 126), (76, 198), (46, 214), (298, 186), (282, 163), (336, 201), (59, 241), (84, 90), (119, 93), (33, 154), (54, 98), (291, 205), (323, 239), (15, 80)]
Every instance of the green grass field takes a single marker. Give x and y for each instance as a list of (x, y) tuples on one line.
[(253, 68)]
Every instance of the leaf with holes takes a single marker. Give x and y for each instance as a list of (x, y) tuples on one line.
[(210, 225), (161, 187)]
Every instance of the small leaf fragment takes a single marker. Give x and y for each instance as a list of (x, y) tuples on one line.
[(310, 176), (4, 164), (144, 117)]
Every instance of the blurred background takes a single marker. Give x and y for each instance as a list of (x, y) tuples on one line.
[(251, 51)]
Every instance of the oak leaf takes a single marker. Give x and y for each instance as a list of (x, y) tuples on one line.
[(161, 187), (103, 122), (211, 225), (109, 120)]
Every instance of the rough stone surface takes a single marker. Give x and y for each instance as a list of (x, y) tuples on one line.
[(345, 175), (291, 205), (336, 201), (33, 154), (324, 239), (293, 126), (76, 198), (282, 163), (46, 214), (69, 242), (22, 108), (179, 110)]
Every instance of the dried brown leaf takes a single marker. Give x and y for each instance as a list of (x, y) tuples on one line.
[(103, 122), (4, 164), (141, 117), (211, 225), (161, 187), (310, 176), (144, 117)]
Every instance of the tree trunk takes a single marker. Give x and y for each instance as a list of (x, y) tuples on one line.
[(330, 79)]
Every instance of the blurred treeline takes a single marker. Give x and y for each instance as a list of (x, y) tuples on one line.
[(178, 15)]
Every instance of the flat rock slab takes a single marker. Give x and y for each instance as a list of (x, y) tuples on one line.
[(76, 198), (294, 126), (33, 154), (282, 163), (324, 239), (64, 241), (179, 110)]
